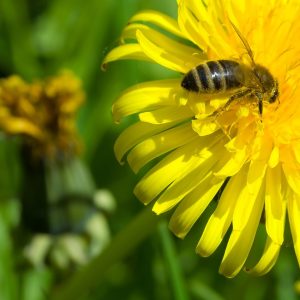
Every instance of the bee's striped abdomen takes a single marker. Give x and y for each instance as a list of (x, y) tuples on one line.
[(212, 77)]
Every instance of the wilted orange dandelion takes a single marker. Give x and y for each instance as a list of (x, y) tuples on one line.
[(42, 112)]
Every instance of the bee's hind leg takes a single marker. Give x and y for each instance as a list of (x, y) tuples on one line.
[(222, 109), (238, 95), (260, 104)]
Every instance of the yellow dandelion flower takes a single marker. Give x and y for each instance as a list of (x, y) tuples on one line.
[(250, 148)]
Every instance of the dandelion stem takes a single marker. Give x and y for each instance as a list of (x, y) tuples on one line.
[(123, 243)]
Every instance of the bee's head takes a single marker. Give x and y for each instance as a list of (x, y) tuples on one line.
[(267, 82)]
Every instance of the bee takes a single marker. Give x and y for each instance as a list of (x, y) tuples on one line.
[(220, 76)]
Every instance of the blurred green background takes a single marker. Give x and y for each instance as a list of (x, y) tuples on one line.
[(40, 38)]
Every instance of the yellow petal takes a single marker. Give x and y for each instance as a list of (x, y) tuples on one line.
[(294, 217), (198, 22), (240, 241), (128, 51), (190, 179), (147, 96), (268, 259), (174, 50), (274, 158), (221, 218), (167, 52), (216, 31), (189, 23), (134, 134), (159, 19), (293, 177), (275, 206), (205, 126), (296, 151), (234, 164), (248, 195), (159, 144), (13, 125), (130, 30), (166, 115), (193, 205), (170, 168)]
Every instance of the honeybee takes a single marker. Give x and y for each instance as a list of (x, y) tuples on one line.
[(221, 76)]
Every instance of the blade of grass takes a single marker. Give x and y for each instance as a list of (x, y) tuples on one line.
[(286, 272), (203, 291), (8, 277), (173, 265)]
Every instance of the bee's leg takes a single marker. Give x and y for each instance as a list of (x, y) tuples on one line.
[(222, 109), (230, 100), (278, 104), (260, 104)]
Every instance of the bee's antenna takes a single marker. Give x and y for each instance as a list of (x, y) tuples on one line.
[(244, 41)]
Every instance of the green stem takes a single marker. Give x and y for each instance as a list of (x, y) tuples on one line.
[(171, 258), (123, 244)]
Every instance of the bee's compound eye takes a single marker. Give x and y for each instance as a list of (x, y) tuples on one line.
[(189, 83), (274, 96)]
